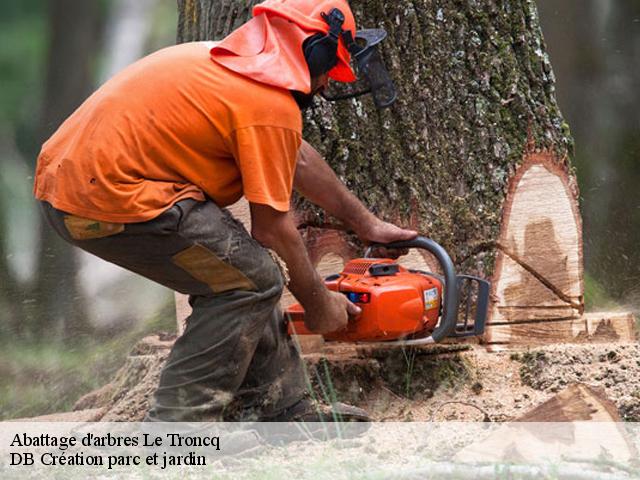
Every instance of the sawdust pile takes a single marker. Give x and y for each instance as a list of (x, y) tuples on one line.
[(468, 384)]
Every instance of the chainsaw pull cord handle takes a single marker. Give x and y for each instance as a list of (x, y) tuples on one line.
[(449, 305)]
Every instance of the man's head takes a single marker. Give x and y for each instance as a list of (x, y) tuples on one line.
[(318, 85), (325, 49), (299, 44)]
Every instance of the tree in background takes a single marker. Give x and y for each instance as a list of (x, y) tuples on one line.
[(49, 304), (75, 34), (595, 48), (53, 56), (35, 342)]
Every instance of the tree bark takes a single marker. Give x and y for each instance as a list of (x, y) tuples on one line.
[(475, 152)]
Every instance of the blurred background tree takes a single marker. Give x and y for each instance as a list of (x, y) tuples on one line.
[(67, 320), (595, 51)]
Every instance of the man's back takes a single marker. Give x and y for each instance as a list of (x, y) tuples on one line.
[(168, 127)]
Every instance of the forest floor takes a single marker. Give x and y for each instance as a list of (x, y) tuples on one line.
[(460, 387), (445, 383), (476, 385)]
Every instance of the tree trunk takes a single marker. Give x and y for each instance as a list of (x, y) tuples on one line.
[(11, 305), (128, 30), (74, 34), (475, 153)]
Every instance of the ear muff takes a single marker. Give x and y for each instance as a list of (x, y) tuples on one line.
[(320, 50), (321, 53)]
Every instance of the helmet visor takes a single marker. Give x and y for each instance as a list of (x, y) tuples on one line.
[(372, 75)]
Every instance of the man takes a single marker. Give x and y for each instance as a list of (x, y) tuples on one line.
[(140, 174)]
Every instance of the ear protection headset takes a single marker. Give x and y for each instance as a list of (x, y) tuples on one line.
[(321, 50)]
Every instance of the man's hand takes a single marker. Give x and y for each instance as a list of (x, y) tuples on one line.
[(378, 231), (325, 311), (331, 314)]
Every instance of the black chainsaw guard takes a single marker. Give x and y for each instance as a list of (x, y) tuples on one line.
[(472, 292)]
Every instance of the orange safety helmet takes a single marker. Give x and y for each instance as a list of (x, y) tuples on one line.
[(309, 15), (269, 47)]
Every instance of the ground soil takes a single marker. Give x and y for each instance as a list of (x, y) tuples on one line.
[(476, 385), (464, 383)]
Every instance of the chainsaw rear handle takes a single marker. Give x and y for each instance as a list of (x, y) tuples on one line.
[(449, 319)]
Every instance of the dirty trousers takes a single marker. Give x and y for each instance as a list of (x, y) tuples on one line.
[(235, 360)]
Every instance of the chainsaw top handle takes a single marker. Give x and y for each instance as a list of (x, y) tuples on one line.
[(450, 304)]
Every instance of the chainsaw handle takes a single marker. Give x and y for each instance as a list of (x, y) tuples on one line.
[(450, 304)]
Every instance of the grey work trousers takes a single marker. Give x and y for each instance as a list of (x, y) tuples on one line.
[(235, 360)]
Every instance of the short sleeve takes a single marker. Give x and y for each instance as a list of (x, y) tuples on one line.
[(266, 157)]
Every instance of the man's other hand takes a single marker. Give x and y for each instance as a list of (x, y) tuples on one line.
[(331, 314)]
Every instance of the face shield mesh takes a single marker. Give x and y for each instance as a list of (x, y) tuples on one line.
[(372, 74), (372, 68)]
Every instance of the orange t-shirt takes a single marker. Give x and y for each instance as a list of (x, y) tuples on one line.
[(173, 125)]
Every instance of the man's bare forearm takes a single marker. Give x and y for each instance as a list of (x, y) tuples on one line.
[(276, 230), (318, 183), (325, 311)]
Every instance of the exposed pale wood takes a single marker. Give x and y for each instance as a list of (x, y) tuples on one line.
[(287, 299), (524, 313), (308, 344), (584, 428), (330, 264), (539, 272), (321, 242), (577, 403), (605, 326), (420, 260), (241, 211), (591, 327)]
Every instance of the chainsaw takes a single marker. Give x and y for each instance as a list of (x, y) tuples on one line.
[(401, 306)]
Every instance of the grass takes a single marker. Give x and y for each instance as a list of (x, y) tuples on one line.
[(596, 296), (49, 376), (410, 359)]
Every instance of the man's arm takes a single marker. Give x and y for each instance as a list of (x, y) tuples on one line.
[(325, 311), (317, 182)]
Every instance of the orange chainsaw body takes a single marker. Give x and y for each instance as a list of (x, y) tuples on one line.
[(395, 302)]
